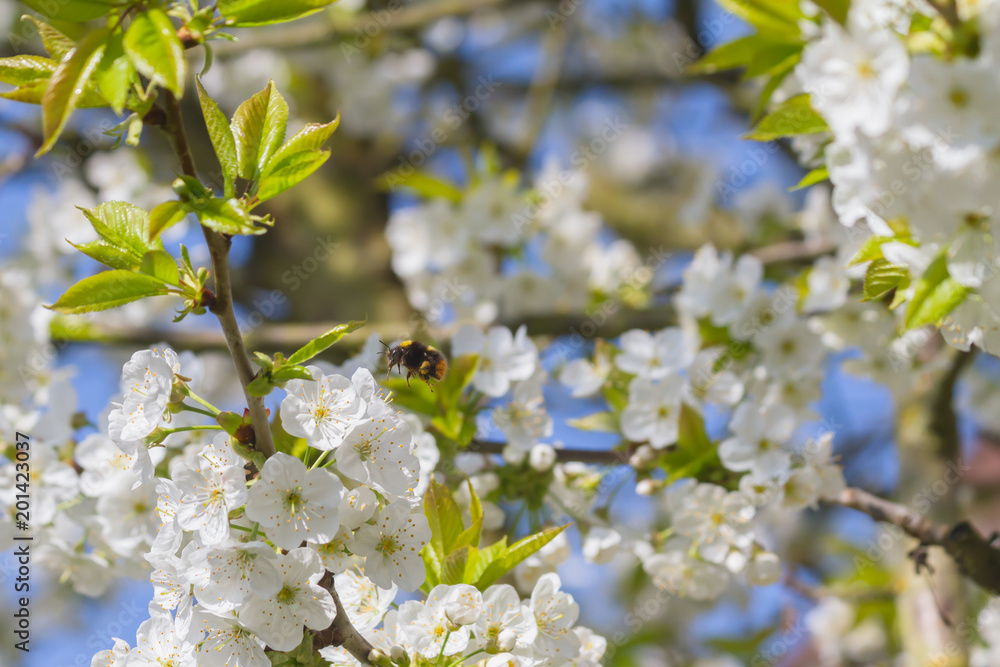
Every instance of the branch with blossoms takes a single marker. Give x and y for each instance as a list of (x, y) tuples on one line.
[(977, 556), (271, 538), (286, 537)]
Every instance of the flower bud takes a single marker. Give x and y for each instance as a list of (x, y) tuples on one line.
[(542, 457), (643, 457), (601, 544), (463, 605), (379, 658), (398, 655), (764, 569), (156, 437), (647, 487), (513, 455), (503, 660), (506, 640), (357, 507)]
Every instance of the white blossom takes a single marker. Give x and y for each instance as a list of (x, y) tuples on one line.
[(392, 546), (555, 614), (654, 410), (293, 504), (278, 618), (321, 410), (503, 357)]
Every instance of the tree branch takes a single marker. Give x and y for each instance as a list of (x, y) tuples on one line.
[(596, 456), (218, 246), (944, 422), (310, 34), (341, 632), (974, 554)]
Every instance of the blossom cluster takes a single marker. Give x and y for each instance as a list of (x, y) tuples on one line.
[(748, 349), (495, 626), (504, 251), (911, 151)]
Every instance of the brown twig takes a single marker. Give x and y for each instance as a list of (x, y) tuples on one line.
[(218, 246), (974, 554), (319, 32), (341, 632), (597, 456)]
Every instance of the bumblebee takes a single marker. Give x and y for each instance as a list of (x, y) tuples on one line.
[(424, 361)]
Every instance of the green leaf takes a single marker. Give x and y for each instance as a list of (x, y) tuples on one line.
[(792, 117), (75, 11), (424, 184), (480, 559), (290, 172), (432, 566), (731, 55), (114, 74), (837, 9), (778, 75), (124, 226), (246, 13), (230, 421), (772, 58), (449, 424), (882, 277), (66, 86), (309, 138), (459, 377), (163, 217), (20, 70), (515, 554), (155, 50), (815, 176), (453, 566), (606, 422), (159, 264), (106, 254), (691, 433), (260, 385), (468, 430), (56, 43), (284, 441), (221, 136), (616, 397), (29, 94), (772, 17), (444, 517), (870, 250), (285, 373), (226, 216), (107, 290), (935, 295), (258, 127), (321, 343), (471, 535), (416, 396)]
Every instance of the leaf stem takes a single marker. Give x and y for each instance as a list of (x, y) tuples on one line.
[(319, 459), (198, 399), (191, 408), (197, 427), (444, 644)]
